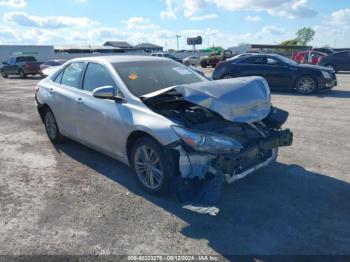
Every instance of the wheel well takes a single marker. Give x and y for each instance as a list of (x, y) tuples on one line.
[(42, 109), (171, 154), (133, 137)]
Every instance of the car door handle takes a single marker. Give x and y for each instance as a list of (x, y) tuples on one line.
[(79, 100)]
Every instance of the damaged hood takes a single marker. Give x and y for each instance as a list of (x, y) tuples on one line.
[(245, 99)]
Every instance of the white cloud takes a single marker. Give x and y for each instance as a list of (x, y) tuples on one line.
[(24, 19), (251, 18), (203, 17), (170, 12), (272, 29), (341, 17), (139, 23), (7, 34), (287, 8), (295, 9), (334, 30), (13, 3)]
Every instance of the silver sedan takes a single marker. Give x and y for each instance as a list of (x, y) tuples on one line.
[(162, 118)]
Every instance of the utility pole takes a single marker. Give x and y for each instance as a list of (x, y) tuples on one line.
[(177, 41)]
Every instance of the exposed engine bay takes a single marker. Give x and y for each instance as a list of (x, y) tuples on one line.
[(225, 150)]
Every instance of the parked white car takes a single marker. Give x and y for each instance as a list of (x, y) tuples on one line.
[(191, 61)]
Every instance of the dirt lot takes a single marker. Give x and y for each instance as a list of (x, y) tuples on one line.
[(72, 200)]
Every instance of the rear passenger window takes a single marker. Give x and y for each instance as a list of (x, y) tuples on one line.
[(71, 75), (97, 76), (58, 78)]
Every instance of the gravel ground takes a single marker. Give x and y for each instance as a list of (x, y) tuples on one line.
[(71, 200)]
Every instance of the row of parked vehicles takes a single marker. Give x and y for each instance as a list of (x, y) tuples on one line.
[(28, 65), (338, 61)]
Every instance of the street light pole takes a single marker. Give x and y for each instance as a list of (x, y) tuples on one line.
[(177, 41)]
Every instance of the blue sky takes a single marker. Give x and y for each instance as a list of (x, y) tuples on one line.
[(220, 22)]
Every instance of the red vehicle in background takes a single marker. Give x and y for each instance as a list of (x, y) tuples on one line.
[(308, 57)]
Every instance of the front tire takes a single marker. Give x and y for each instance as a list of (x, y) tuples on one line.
[(3, 73), (152, 165), (204, 64), (51, 127), (22, 75), (187, 64), (306, 85)]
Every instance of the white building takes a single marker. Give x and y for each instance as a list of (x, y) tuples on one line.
[(40, 52)]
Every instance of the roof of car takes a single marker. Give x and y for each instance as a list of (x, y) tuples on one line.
[(122, 58)]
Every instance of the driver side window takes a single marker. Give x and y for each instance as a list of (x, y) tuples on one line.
[(96, 75), (272, 62)]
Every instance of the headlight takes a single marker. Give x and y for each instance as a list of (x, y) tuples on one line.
[(214, 144), (326, 74)]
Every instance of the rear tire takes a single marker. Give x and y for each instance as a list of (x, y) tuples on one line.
[(52, 130), (306, 85), (187, 64), (4, 75), (204, 64), (153, 165), (22, 75)]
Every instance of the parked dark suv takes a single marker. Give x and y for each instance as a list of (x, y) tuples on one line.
[(20, 65), (339, 61)]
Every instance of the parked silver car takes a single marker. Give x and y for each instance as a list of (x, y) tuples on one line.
[(191, 61), (162, 118)]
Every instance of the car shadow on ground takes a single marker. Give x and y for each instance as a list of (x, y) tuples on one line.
[(281, 209), (324, 94)]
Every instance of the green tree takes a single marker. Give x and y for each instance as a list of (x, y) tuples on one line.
[(290, 42), (305, 35)]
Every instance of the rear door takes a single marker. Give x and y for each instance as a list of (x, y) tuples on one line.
[(64, 93), (346, 61), (342, 61), (100, 119)]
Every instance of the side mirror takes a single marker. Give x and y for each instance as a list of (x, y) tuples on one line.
[(107, 92)]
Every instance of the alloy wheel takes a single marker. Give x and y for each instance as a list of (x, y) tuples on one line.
[(51, 126), (148, 167), (306, 85)]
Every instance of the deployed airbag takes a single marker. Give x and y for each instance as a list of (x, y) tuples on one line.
[(245, 99)]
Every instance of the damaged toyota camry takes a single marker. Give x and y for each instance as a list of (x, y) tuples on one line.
[(169, 123)]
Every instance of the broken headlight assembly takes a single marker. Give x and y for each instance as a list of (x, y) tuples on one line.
[(209, 143)]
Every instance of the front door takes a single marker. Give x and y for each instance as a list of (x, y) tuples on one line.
[(100, 120), (278, 74)]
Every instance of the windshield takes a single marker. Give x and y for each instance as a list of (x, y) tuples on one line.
[(144, 77)]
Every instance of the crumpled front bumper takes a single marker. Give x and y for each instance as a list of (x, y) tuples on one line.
[(327, 83), (260, 153)]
